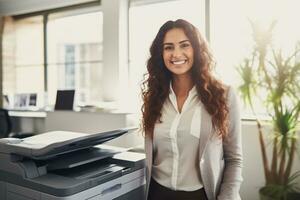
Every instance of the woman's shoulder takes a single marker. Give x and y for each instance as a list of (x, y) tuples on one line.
[(232, 97)]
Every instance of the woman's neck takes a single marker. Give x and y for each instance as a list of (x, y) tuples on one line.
[(182, 85)]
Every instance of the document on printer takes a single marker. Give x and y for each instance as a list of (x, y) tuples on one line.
[(45, 139)]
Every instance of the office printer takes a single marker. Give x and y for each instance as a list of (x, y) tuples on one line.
[(62, 165)]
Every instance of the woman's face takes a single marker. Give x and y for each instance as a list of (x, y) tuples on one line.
[(178, 53)]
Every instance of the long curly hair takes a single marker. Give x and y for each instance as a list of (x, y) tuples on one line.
[(156, 85)]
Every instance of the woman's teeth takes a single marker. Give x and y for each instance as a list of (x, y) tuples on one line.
[(178, 62)]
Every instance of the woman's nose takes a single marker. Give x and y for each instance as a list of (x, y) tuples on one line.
[(177, 52)]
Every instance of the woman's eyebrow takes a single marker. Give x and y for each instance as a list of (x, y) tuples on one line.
[(169, 43), (183, 41)]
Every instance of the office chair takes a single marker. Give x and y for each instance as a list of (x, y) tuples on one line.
[(6, 126), (5, 123)]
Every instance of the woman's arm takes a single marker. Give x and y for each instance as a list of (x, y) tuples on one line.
[(232, 146)]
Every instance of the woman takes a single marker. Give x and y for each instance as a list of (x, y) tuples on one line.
[(191, 121)]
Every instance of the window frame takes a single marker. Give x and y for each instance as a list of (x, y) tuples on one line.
[(58, 13)]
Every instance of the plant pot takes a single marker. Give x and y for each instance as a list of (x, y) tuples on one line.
[(264, 196), (293, 196)]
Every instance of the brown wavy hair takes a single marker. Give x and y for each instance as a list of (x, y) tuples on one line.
[(155, 88)]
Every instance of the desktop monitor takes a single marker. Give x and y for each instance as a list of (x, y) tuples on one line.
[(64, 100), (32, 100)]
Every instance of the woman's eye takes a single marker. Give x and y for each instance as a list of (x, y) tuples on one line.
[(185, 45), (167, 47)]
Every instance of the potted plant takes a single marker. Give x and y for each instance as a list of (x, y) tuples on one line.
[(274, 80)]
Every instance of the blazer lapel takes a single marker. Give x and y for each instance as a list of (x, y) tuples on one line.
[(149, 151), (149, 161), (205, 130)]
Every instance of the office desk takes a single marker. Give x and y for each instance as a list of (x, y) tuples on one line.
[(27, 121), (77, 121), (87, 122)]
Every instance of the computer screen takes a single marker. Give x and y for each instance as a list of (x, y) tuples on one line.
[(64, 100)]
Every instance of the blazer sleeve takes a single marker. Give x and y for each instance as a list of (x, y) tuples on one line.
[(232, 147)]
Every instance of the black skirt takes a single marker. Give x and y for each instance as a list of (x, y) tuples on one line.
[(159, 192)]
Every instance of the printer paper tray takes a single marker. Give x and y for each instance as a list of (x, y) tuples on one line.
[(106, 191), (82, 157)]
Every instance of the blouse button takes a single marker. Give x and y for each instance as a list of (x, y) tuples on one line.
[(201, 161)]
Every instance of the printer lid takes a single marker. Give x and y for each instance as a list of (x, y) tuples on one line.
[(50, 144)]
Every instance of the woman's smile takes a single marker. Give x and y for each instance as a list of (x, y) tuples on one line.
[(178, 62)]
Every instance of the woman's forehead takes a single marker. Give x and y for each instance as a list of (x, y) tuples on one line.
[(175, 35)]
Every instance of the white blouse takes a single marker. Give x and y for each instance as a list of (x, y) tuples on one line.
[(176, 144)]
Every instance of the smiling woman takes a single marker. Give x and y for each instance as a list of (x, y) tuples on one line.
[(190, 119)]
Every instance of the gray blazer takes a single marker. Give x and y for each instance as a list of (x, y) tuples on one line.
[(220, 160)]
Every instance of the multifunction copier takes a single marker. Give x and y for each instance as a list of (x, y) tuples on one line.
[(61, 165)]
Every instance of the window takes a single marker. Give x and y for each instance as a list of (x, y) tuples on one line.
[(73, 46), (231, 34), (141, 35), (75, 55), (22, 58)]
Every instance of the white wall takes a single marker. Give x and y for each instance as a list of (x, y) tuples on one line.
[(115, 45)]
